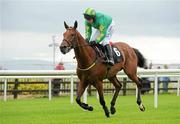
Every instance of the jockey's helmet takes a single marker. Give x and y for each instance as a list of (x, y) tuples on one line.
[(89, 13)]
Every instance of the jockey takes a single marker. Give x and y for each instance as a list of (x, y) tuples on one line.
[(104, 29)]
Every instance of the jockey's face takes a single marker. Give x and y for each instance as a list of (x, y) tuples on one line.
[(90, 21)]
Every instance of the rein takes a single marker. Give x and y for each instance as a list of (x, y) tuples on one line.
[(81, 46), (74, 47)]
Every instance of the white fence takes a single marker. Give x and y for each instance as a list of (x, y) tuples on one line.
[(50, 74)]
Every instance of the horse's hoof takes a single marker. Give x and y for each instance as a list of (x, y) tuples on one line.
[(141, 107), (107, 115), (106, 111), (90, 108), (113, 110)]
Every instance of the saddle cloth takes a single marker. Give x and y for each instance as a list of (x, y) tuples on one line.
[(117, 56)]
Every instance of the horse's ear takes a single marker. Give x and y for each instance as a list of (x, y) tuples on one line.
[(65, 25), (75, 24)]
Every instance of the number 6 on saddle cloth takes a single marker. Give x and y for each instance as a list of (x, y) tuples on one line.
[(100, 51)]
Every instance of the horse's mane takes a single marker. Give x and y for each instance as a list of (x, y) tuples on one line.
[(79, 34)]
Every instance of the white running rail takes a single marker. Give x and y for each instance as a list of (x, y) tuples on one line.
[(71, 74)]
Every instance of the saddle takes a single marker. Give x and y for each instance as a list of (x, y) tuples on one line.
[(100, 51)]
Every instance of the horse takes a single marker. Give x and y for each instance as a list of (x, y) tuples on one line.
[(92, 71)]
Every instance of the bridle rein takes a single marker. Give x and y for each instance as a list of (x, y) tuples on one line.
[(73, 46)]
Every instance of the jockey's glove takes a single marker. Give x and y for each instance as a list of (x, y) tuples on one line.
[(93, 43), (87, 40)]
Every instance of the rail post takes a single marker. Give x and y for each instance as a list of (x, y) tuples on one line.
[(15, 92), (5, 89), (178, 87), (72, 89), (156, 91), (50, 89), (97, 95)]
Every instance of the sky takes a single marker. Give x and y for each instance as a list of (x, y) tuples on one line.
[(27, 26)]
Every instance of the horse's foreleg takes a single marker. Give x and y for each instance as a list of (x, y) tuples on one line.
[(117, 86), (99, 87), (81, 88)]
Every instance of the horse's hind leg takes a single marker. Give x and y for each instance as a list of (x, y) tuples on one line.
[(117, 86), (132, 75), (99, 87), (81, 88), (139, 101)]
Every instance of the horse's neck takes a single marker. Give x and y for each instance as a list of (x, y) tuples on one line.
[(85, 54)]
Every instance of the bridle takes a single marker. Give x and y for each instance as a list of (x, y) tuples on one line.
[(73, 46)]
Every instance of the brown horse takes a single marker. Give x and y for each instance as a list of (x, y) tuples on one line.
[(91, 70)]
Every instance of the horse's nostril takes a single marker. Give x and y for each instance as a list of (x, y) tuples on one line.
[(62, 47)]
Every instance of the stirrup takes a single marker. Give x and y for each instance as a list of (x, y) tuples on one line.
[(111, 63)]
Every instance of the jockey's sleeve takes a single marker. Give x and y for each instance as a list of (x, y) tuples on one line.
[(88, 30), (103, 30)]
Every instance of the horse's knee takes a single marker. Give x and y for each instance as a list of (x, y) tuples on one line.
[(139, 86), (137, 80), (140, 82), (117, 84), (118, 87), (102, 102)]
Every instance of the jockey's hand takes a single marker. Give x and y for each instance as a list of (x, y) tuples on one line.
[(87, 40), (93, 43)]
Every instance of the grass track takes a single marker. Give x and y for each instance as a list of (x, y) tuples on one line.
[(60, 111)]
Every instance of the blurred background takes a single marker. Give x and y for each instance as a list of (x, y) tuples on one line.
[(31, 30)]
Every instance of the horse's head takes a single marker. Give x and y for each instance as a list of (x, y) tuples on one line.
[(70, 38)]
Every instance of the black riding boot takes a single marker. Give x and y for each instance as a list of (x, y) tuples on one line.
[(109, 54)]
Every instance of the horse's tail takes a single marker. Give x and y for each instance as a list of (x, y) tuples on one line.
[(141, 58)]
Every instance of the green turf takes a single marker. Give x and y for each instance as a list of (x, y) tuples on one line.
[(60, 111)]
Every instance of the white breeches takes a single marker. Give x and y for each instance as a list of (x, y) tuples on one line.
[(108, 36)]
